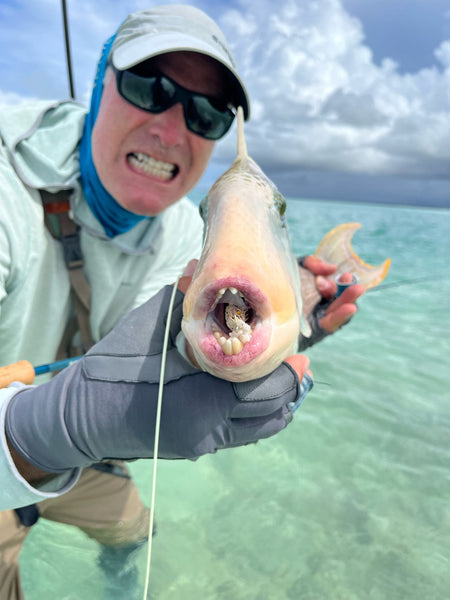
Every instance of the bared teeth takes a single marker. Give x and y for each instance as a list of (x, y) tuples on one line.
[(245, 337), (149, 165), (236, 308), (230, 345), (227, 347), (236, 345), (234, 342), (230, 292)]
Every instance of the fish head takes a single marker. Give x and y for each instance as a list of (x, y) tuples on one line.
[(242, 310)]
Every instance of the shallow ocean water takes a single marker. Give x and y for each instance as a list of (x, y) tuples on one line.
[(352, 500)]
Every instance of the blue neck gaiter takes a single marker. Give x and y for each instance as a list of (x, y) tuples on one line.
[(114, 218)]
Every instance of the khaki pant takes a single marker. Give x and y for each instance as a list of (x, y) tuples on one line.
[(106, 507)]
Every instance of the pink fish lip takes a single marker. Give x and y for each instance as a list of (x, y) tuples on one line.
[(253, 295), (260, 339)]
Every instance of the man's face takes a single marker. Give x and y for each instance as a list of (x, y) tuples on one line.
[(149, 161)]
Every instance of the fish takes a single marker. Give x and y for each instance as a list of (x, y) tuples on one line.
[(243, 311)]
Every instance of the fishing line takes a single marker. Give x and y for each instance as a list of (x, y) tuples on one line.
[(390, 285), (383, 286), (157, 429)]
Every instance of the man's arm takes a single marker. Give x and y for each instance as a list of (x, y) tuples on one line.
[(29, 472)]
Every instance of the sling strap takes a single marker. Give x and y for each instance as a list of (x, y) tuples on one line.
[(63, 228)]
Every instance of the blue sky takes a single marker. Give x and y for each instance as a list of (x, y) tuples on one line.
[(350, 98)]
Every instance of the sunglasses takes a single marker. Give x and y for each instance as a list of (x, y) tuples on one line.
[(204, 115)]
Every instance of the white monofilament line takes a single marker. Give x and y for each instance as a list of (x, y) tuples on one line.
[(156, 444)]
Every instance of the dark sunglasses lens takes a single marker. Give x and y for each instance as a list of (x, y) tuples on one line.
[(158, 93), (154, 94), (205, 120), (162, 94)]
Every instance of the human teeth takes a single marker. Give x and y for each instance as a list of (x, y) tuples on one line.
[(149, 165)]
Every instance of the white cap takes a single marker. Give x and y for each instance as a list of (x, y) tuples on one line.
[(173, 28)]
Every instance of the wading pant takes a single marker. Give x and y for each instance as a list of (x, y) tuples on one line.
[(106, 507)]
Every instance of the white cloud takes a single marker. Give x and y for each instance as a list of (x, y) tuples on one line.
[(442, 53), (319, 101), (13, 98)]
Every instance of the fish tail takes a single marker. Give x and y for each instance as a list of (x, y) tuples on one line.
[(336, 248)]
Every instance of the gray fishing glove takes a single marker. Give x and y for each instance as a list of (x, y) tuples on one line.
[(104, 406), (316, 312), (317, 332)]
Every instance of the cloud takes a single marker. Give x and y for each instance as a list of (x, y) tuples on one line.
[(320, 102), (442, 53)]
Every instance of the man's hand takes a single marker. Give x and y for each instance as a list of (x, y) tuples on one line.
[(330, 313), (343, 308)]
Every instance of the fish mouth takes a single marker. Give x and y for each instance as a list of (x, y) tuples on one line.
[(236, 324)]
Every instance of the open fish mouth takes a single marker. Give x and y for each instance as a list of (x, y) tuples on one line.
[(236, 327), (231, 320)]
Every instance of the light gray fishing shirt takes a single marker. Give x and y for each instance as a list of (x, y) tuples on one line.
[(39, 150)]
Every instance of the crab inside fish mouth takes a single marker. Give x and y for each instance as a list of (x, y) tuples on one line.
[(150, 166), (231, 320)]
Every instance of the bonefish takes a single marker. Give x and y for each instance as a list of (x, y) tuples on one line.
[(242, 313)]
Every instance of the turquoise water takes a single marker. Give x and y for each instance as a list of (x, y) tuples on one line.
[(352, 500)]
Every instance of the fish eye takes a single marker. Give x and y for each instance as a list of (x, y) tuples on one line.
[(279, 203), (203, 208)]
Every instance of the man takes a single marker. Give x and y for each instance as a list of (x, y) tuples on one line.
[(165, 86)]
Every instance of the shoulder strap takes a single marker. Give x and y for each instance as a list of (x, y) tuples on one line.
[(63, 228)]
